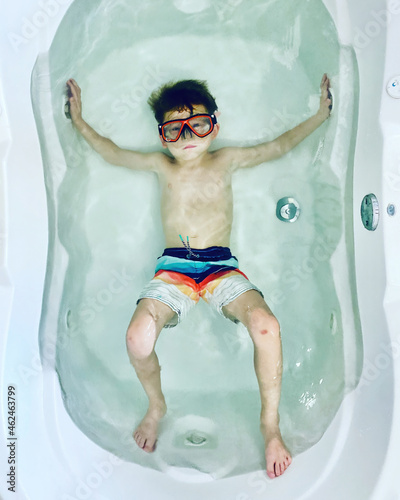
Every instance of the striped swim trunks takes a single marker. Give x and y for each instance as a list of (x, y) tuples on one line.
[(184, 275)]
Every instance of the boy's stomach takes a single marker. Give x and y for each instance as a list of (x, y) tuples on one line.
[(199, 232)]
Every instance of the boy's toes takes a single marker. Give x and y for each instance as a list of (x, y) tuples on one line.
[(139, 439), (271, 471), (150, 446)]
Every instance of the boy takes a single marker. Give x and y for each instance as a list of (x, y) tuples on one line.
[(196, 207)]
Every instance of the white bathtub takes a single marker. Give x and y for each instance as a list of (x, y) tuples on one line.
[(357, 457)]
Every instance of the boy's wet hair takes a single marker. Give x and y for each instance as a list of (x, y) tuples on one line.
[(177, 96)]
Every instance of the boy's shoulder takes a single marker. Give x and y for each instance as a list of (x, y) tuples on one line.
[(227, 157)]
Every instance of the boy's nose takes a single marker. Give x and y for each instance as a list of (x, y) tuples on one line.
[(186, 129)]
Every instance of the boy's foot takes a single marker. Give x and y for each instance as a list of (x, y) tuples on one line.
[(145, 434), (276, 455)]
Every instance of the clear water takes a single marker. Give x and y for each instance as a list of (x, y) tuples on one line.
[(263, 62)]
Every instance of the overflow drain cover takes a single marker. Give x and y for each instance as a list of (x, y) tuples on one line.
[(370, 212), (287, 209)]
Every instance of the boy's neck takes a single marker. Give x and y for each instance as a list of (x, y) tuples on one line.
[(191, 163)]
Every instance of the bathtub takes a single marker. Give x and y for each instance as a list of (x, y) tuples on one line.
[(357, 456)]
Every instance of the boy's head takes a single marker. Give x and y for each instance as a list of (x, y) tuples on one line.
[(176, 102), (179, 96)]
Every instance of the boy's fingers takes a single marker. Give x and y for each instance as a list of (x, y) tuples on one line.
[(72, 83), (78, 89), (325, 90), (75, 91), (325, 80)]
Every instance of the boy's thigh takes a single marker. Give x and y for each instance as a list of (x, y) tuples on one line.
[(172, 290), (241, 308), (231, 294), (160, 312)]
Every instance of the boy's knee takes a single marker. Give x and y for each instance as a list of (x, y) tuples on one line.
[(263, 323), (141, 337)]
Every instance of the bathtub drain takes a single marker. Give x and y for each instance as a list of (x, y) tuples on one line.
[(195, 439)]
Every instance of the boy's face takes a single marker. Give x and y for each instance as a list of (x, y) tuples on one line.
[(189, 146)]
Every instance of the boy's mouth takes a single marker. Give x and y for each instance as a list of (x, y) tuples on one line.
[(189, 146)]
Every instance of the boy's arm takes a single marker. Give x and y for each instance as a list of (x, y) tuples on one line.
[(252, 156), (105, 147)]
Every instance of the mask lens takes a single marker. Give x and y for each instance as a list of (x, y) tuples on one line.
[(171, 130), (201, 125)]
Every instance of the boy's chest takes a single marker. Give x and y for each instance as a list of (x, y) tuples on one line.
[(195, 186)]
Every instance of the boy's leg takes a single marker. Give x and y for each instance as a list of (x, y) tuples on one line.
[(251, 310), (146, 324)]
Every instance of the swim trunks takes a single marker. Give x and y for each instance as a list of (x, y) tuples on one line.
[(183, 275)]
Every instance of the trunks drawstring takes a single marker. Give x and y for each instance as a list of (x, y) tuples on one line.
[(187, 246)]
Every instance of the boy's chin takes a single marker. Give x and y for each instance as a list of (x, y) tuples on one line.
[(188, 154)]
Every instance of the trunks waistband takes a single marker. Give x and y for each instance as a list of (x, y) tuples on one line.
[(209, 254), (196, 263)]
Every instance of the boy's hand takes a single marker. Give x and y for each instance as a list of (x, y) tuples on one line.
[(75, 103), (326, 98)]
